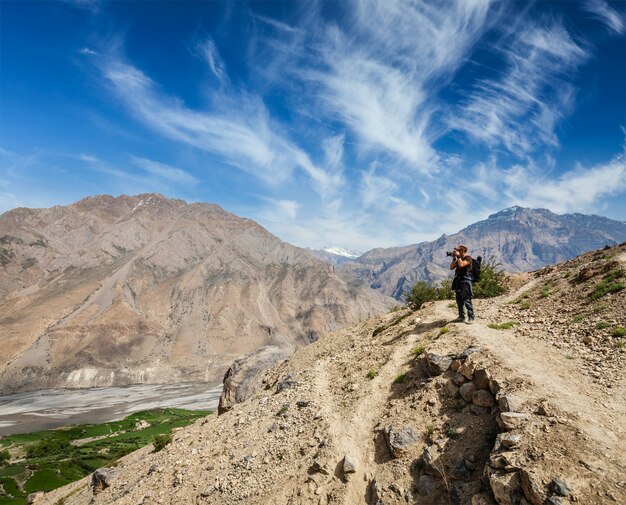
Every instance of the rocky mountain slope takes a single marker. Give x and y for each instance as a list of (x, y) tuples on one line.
[(146, 289), (526, 406), (519, 239)]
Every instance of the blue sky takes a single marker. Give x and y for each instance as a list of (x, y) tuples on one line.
[(352, 124)]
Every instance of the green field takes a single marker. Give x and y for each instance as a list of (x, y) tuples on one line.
[(46, 460)]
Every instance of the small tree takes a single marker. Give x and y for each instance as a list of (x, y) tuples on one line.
[(493, 281), (420, 293), (5, 456)]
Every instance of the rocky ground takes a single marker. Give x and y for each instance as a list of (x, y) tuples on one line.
[(412, 408)]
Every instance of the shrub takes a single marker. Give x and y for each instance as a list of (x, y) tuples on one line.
[(420, 293), (400, 378), (50, 446), (604, 287), (4, 456), (419, 350), (619, 332), (372, 373), (160, 441), (444, 330), (493, 281), (545, 292), (502, 326), (525, 305), (602, 326), (578, 318)]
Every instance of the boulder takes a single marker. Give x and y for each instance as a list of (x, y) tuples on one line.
[(32, 498), (349, 465), (504, 486), (482, 378), (512, 420), (438, 364), (428, 462), (467, 391), (451, 389), (534, 491), (560, 487), (101, 479), (427, 485), (482, 398), (509, 402), (245, 375), (401, 440)]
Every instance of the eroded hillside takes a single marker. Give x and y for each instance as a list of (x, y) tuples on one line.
[(144, 289), (410, 408)]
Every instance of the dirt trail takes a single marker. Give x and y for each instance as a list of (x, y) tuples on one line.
[(354, 434)]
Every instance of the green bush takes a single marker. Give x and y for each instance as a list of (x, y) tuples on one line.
[(605, 287), (619, 332), (160, 441), (400, 378), (602, 325), (493, 281), (420, 293), (4, 457), (49, 447)]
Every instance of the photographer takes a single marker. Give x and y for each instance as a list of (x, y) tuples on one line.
[(462, 283)]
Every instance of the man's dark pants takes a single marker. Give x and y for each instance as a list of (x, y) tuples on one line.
[(464, 296)]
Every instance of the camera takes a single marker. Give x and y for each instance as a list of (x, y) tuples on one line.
[(450, 253)]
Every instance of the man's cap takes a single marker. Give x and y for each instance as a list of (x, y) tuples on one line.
[(461, 248)]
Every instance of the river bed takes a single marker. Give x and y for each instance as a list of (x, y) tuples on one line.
[(52, 408)]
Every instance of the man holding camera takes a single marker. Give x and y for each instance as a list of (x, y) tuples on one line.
[(462, 283)]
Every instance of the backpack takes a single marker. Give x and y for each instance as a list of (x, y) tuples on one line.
[(476, 264)]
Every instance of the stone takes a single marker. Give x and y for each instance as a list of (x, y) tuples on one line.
[(244, 377), (460, 471), (469, 351), (287, 383), (482, 398), (533, 488), (467, 369), (438, 364), (451, 389), (428, 462), (509, 403), (504, 486), (34, 497), (559, 487), (208, 491), (510, 439), (401, 440), (427, 485), (350, 464), (512, 420), (458, 378), (456, 364), (303, 403), (317, 467), (101, 479), (467, 390), (482, 378), (495, 386)]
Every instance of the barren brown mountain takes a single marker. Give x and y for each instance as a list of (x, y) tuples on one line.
[(146, 289)]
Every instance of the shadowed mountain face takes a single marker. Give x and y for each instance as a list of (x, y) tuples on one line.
[(112, 291), (519, 239)]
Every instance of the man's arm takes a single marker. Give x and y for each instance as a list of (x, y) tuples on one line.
[(453, 264), (462, 263)]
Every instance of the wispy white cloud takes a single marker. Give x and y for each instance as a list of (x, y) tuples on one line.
[(164, 171), (382, 70), (578, 190), (211, 56), (241, 133), (613, 19), (522, 107), (87, 51)]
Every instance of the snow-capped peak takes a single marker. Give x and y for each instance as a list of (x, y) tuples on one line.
[(340, 251)]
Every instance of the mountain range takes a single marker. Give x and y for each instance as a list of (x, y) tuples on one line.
[(146, 289), (517, 238)]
